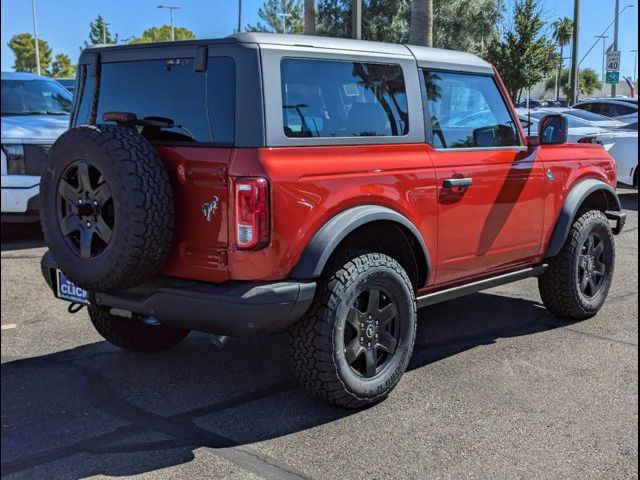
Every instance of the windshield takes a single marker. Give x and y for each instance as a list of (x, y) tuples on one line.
[(34, 97)]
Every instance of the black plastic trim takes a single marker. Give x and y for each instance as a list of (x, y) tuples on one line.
[(576, 197), (325, 241), (462, 290), (237, 309)]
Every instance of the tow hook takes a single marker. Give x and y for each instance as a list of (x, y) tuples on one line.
[(219, 340), (75, 307)]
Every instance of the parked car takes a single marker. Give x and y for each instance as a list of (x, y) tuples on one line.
[(593, 118), (35, 111), (68, 83), (622, 144), (304, 184), (623, 109), (533, 103)]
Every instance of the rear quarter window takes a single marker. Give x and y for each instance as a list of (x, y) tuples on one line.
[(200, 104), (330, 98)]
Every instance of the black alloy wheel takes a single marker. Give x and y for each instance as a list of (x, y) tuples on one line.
[(371, 333), (86, 211), (592, 268)]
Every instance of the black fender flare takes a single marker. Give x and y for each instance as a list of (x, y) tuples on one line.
[(328, 237), (576, 197)]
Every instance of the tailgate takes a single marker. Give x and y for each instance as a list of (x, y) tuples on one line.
[(200, 190)]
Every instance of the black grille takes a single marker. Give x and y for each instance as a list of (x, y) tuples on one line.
[(35, 157)]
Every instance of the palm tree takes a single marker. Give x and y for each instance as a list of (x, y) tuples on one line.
[(309, 17), (421, 30), (562, 34)]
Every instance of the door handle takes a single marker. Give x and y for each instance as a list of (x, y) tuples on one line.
[(457, 182)]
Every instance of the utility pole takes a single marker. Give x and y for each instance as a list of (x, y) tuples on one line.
[(574, 52), (171, 8), (635, 64), (604, 54), (104, 32), (356, 19), (239, 16), (35, 36), (616, 28)]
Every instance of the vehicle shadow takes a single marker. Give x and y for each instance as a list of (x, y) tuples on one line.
[(96, 410), (20, 236), (629, 200)]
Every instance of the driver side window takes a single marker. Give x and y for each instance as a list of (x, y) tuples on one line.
[(467, 111)]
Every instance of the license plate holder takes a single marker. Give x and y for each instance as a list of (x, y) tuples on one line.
[(70, 292)]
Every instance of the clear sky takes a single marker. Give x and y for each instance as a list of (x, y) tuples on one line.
[(65, 23)]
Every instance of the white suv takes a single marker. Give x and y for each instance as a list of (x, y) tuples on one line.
[(35, 111)]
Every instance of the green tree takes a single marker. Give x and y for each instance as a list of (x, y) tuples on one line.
[(466, 25), (562, 34), (278, 14), (62, 67), (99, 33), (163, 34), (588, 81), (525, 54), (23, 47)]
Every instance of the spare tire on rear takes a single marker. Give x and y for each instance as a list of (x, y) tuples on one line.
[(106, 207)]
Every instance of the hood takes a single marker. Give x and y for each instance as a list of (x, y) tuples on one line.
[(34, 127)]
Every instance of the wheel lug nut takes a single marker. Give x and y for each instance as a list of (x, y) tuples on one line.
[(88, 224), (376, 335), (370, 317), (80, 202), (95, 203), (362, 339), (377, 322), (369, 344)]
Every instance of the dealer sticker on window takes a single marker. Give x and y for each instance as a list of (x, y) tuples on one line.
[(70, 292)]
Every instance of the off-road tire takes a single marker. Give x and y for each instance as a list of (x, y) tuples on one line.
[(559, 285), (317, 342), (142, 200), (133, 334)]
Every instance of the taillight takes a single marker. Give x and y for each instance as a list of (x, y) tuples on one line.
[(252, 213)]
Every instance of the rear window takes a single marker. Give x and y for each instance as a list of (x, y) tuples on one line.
[(328, 98), (201, 105)]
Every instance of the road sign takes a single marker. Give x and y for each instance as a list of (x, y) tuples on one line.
[(613, 77), (613, 61)]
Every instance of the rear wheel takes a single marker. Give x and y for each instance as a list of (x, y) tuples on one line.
[(577, 282), (355, 342), (134, 334)]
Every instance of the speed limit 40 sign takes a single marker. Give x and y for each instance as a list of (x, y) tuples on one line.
[(613, 61)]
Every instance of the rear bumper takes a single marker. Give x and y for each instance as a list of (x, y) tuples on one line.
[(17, 191), (237, 309)]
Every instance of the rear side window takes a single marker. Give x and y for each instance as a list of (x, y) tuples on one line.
[(200, 105), (468, 111), (325, 98), (623, 110)]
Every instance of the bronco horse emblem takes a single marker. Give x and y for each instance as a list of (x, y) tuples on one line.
[(209, 208)]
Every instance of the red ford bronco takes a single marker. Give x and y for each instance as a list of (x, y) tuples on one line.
[(325, 187)]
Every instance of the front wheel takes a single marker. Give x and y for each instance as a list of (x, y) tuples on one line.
[(355, 342), (578, 279)]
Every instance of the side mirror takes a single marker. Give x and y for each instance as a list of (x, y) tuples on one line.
[(553, 129)]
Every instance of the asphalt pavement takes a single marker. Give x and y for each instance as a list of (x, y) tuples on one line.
[(497, 388)]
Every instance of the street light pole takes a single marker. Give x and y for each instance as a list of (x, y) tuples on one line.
[(616, 28), (356, 19), (35, 36), (604, 54), (574, 52), (284, 17), (171, 8), (635, 64), (104, 32), (239, 16)]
